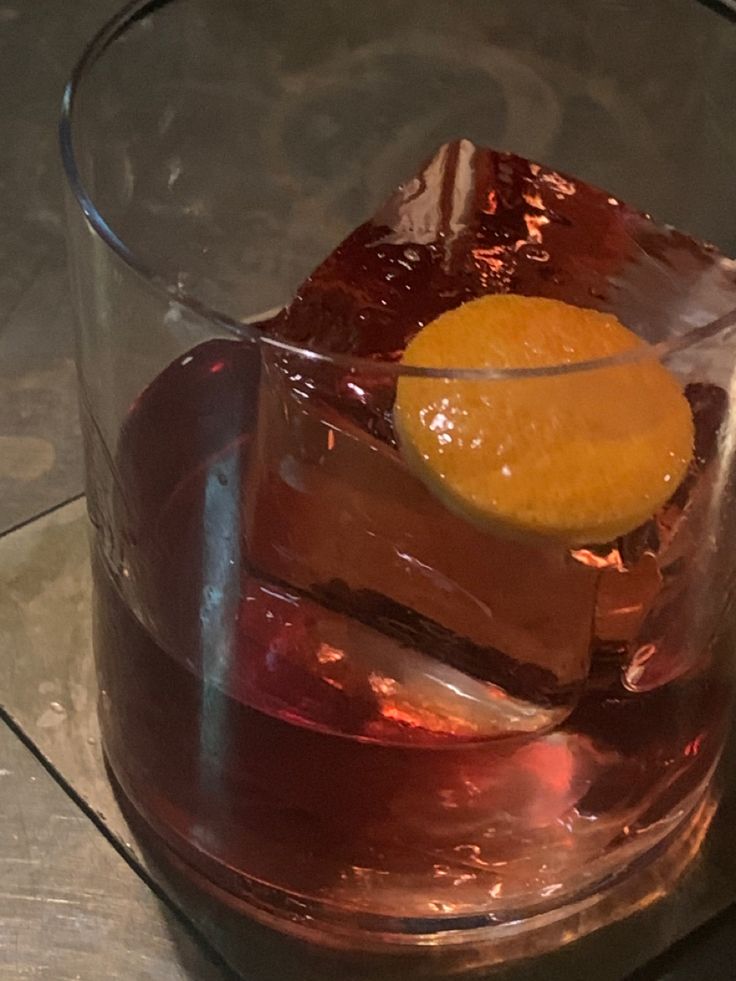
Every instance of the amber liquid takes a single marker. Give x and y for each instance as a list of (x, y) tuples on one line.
[(291, 716), (317, 681)]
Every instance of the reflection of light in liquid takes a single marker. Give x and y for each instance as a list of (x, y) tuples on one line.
[(360, 392), (534, 200), (328, 654), (495, 264), (534, 225), (492, 205), (610, 560), (562, 187)]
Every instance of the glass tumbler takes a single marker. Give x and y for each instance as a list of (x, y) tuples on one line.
[(350, 708)]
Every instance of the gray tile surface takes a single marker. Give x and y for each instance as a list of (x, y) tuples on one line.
[(40, 455), (71, 909)]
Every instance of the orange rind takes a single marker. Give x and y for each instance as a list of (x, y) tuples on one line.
[(579, 457)]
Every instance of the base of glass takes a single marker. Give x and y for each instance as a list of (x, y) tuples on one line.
[(482, 938)]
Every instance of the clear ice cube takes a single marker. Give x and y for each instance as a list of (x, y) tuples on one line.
[(320, 668), (656, 596), (336, 513)]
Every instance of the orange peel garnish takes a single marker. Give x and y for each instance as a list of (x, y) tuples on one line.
[(579, 457)]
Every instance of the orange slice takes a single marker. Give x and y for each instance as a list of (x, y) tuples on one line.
[(580, 457)]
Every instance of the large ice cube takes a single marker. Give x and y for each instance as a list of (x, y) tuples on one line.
[(657, 598), (335, 512), (322, 669), (329, 505), (477, 221)]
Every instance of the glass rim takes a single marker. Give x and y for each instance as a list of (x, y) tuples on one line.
[(244, 329)]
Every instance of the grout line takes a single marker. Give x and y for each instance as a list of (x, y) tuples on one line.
[(41, 514), (208, 948)]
